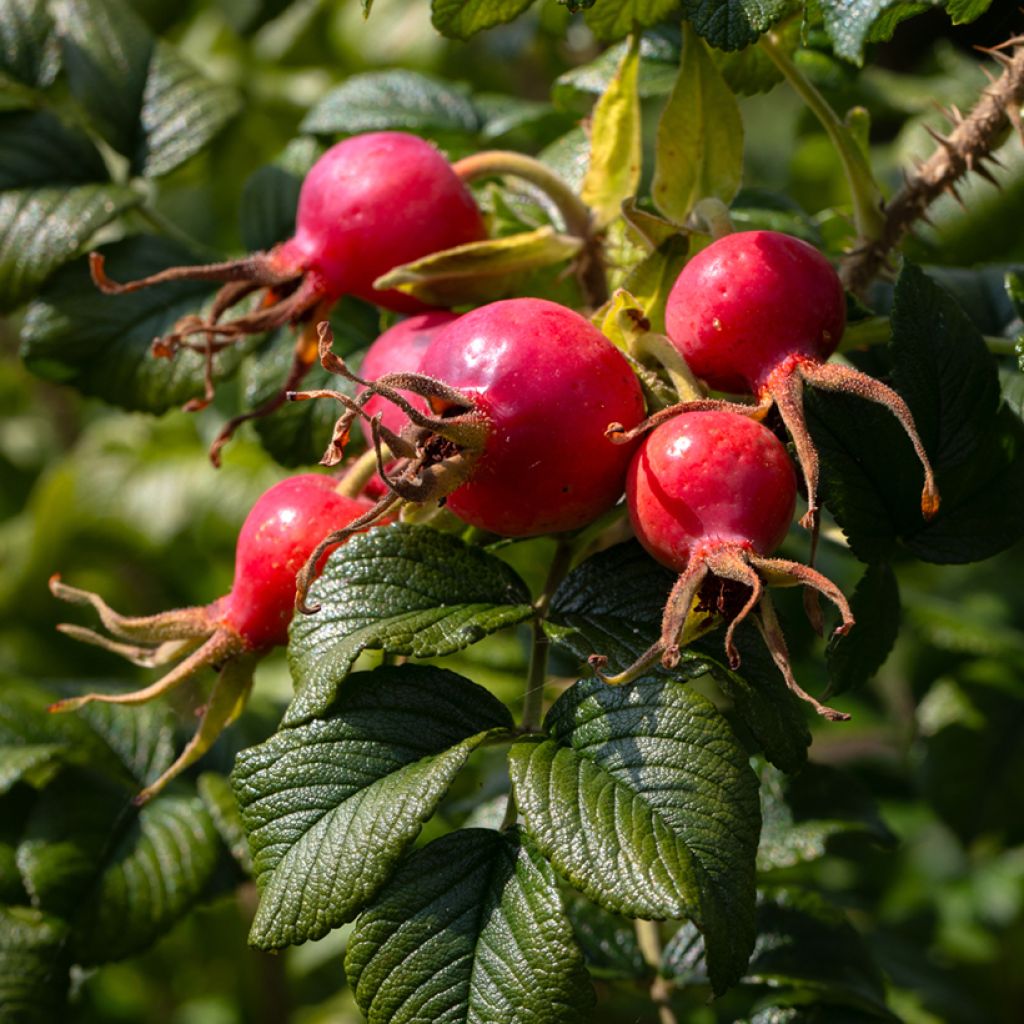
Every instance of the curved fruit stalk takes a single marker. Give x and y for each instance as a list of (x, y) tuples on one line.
[(521, 393), (759, 312), (711, 494), (370, 203), (233, 632)]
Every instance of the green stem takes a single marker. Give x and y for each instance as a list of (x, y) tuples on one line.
[(867, 198), (648, 935), (498, 163)]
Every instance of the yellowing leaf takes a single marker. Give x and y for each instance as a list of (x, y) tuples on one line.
[(699, 151), (614, 170)]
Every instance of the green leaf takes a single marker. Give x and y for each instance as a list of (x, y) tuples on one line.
[(870, 477), (614, 170), (37, 149), (143, 98), (331, 806), (750, 71), (963, 11), (612, 19), (41, 228), (23, 761), (470, 929), (644, 800), (733, 24), (28, 48), (699, 149), (270, 197), (33, 972), (393, 100), (100, 343), (402, 589), (803, 943), (222, 806), (459, 19), (569, 156), (850, 24), (651, 280), (150, 880), (608, 941), (821, 810), (612, 605), (855, 658), (480, 271)]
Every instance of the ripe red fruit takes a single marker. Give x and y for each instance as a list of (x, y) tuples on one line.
[(759, 312), (711, 494), (279, 533)]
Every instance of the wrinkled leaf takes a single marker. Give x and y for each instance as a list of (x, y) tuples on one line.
[(699, 148), (28, 48), (41, 228), (615, 154), (460, 19), (851, 24), (612, 19), (331, 806), (23, 761), (220, 803), (470, 929), (733, 24), (403, 589), (480, 271), (644, 800), (100, 344), (393, 100), (33, 972)]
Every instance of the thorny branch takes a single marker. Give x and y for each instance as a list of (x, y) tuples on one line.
[(965, 149)]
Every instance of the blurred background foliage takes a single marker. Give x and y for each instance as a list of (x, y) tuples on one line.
[(128, 505)]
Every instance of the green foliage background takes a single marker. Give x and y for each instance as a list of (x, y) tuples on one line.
[(905, 838)]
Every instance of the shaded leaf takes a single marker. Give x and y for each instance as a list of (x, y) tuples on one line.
[(37, 149), (643, 798), (270, 197), (820, 810), (403, 589), (612, 19), (41, 228), (33, 973), (22, 761), (614, 171), (470, 929), (459, 19), (733, 24), (397, 99), (853, 659), (850, 24), (699, 149), (331, 806), (28, 47), (220, 803), (480, 271), (101, 344), (608, 941)]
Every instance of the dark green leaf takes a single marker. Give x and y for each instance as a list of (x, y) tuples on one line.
[(331, 806), (517, 123), (26, 761), (28, 48), (612, 19), (853, 659), (608, 941), (750, 71), (733, 24), (699, 151), (645, 801), (145, 100), (41, 228), (818, 811), (269, 200), (803, 943), (152, 877), (393, 100), (101, 343), (470, 929), (612, 605), (852, 23), (220, 803), (459, 19), (406, 590), (33, 972), (37, 149)]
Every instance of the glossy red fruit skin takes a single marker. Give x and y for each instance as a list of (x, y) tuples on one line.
[(750, 301), (373, 202), (400, 350), (705, 478), (549, 383), (278, 535)]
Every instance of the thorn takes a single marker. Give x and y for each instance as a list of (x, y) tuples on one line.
[(985, 173), (988, 74), (945, 143), (952, 190), (992, 158), (955, 115)]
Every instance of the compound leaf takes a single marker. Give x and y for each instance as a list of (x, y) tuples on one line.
[(100, 344), (699, 149), (460, 19), (470, 929), (331, 806), (393, 100), (644, 800), (402, 589)]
